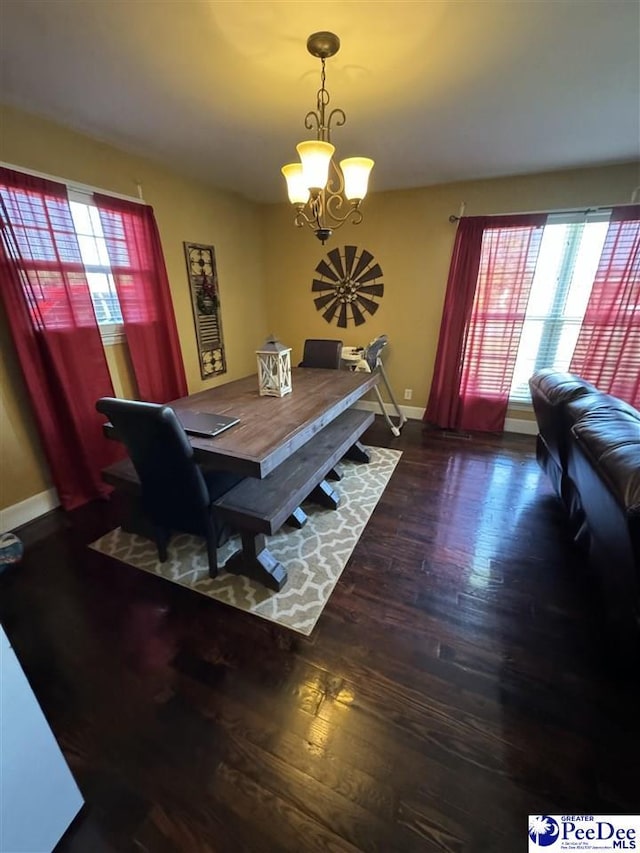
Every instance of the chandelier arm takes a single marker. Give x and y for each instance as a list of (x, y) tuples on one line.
[(335, 180), (317, 205), (301, 219), (312, 121), (334, 199), (335, 203), (353, 215), (324, 214), (340, 119), (311, 213)]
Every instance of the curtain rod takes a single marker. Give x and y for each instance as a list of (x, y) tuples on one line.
[(74, 186), (585, 210), (454, 218)]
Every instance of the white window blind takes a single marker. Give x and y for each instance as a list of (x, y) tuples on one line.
[(45, 233), (95, 258), (567, 262)]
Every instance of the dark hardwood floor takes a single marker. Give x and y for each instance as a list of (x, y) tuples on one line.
[(458, 680)]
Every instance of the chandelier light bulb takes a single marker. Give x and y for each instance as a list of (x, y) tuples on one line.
[(297, 189), (315, 156), (356, 171)]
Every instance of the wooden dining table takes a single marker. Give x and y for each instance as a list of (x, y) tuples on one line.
[(272, 428), (284, 447)]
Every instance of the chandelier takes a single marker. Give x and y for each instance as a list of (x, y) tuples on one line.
[(323, 195)]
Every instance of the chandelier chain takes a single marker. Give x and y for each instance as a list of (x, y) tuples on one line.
[(322, 100)]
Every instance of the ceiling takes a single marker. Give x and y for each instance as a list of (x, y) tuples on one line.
[(434, 91)]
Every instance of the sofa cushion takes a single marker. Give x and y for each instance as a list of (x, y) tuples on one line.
[(610, 438), (591, 403), (559, 387), (551, 392)]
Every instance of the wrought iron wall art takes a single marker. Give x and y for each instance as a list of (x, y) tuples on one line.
[(348, 285), (205, 300)]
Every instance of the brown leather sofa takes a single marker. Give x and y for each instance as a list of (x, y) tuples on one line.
[(589, 445)]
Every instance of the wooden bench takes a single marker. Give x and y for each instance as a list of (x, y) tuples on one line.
[(257, 507)]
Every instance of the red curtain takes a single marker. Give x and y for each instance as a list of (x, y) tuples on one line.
[(490, 278), (607, 352), (140, 275), (444, 398), (53, 325)]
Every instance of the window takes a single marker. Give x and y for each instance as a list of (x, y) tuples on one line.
[(93, 249), (46, 236), (567, 262)]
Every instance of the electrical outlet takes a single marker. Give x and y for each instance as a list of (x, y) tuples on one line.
[(408, 393)]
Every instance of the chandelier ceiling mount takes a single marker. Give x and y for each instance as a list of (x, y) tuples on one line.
[(323, 45)]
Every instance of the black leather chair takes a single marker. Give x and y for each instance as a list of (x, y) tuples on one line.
[(320, 352), (323, 353), (176, 493)]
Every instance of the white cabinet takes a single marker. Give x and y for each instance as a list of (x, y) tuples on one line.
[(38, 795)]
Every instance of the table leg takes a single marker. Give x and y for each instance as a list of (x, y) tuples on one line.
[(335, 474), (255, 561), (324, 495), (298, 518), (358, 453)]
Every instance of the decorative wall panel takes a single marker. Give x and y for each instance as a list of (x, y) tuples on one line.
[(205, 300)]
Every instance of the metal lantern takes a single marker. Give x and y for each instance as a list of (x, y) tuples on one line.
[(274, 368)]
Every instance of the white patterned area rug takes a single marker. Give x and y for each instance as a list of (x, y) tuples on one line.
[(314, 557)]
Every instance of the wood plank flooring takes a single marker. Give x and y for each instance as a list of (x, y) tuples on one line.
[(459, 679)]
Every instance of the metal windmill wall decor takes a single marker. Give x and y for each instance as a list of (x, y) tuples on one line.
[(349, 285)]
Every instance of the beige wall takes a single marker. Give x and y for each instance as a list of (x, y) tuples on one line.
[(409, 234), (23, 469), (266, 265), (185, 211)]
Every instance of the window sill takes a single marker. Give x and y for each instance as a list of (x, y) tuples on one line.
[(519, 406), (112, 335)]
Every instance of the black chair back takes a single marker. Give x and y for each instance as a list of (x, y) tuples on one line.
[(174, 491), (321, 352)]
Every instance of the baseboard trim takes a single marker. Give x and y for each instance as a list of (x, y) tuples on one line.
[(18, 514), (412, 413), (521, 426)]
